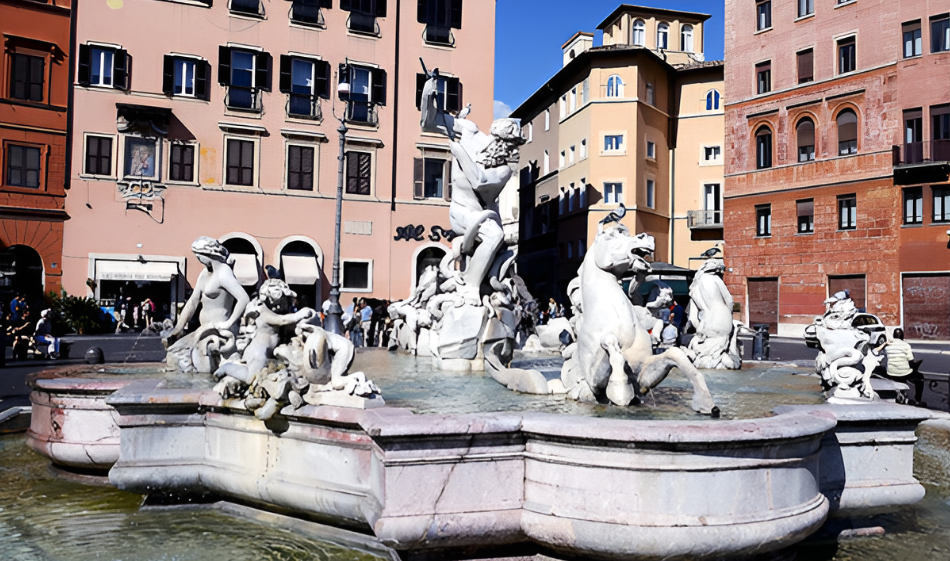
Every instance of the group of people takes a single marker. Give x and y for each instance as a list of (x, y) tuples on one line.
[(130, 316), (24, 333), (366, 322), (554, 310), (674, 324)]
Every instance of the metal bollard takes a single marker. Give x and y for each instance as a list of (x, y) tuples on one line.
[(760, 343)]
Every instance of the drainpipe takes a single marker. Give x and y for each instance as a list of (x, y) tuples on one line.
[(673, 207), (73, 50), (396, 108)]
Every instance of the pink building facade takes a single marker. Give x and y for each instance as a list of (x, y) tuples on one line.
[(218, 121)]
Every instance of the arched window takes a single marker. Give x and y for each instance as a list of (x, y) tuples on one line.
[(806, 140), (686, 38), (712, 101), (763, 148), (614, 86), (847, 133), (662, 36), (639, 33)]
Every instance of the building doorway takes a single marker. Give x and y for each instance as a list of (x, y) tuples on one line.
[(926, 306), (856, 285), (763, 303), (247, 264), (428, 257), (21, 272), (300, 269)]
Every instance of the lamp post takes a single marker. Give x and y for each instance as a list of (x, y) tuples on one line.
[(334, 320)]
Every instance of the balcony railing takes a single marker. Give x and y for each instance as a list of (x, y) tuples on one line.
[(439, 35), (306, 12), (247, 7), (304, 107), (911, 153), (243, 99), (362, 23), (701, 219), (361, 112)]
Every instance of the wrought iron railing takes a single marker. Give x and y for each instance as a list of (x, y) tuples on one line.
[(921, 152), (363, 23), (239, 98), (696, 219), (246, 7), (439, 35), (361, 112), (304, 107), (306, 12)]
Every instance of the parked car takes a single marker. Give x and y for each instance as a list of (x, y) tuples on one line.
[(868, 323)]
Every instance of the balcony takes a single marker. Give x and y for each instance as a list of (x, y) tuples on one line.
[(243, 99), (439, 35), (704, 219), (363, 23), (361, 113), (304, 107), (921, 162), (306, 12), (252, 8)]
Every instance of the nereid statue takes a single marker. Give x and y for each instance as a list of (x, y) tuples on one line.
[(845, 362), (249, 347), (716, 343)]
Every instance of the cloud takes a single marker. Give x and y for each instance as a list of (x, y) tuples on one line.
[(502, 109)]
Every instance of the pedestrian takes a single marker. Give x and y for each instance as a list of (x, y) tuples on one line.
[(552, 308), (561, 312), (899, 355), (669, 335), (347, 316), (148, 310), (678, 314), (17, 307), (43, 335), (366, 320), (21, 331)]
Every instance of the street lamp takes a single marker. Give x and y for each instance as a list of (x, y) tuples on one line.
[(334, 320)]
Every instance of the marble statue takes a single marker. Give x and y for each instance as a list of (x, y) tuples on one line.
[(222, 300), (845, 362), (613, 358), (716, 342)]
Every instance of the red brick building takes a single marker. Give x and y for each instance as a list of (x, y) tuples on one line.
[(837, 160), (34, 90)]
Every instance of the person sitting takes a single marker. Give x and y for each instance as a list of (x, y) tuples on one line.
[(669, 334), (21, 331), (901, 365), (43, 335)]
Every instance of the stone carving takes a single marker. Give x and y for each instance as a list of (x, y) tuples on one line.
[(845, 362), (716, 343), (613, 358), (222, 300)]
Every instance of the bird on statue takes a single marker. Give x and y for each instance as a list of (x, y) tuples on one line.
[(711, 252), (615, 215)]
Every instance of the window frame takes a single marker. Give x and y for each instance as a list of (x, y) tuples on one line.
[(916, 217), (314, 168), (256, 162), (763, 131), (103, 50), (42, 150), (663, 31), (112, 176), (621, 147), (614, 192), (686, 36), (810, 53), (763, 230), (715, 149), (713, 100), (857, 132), (651, 150), (764, 68), (615, 87), (369, 275), (798, 141), (944, 21), (29, 83), (642, 29), (842, 205), (194, 163), (848, 41), (806, 8), (942, 192), (650, 193), (917, 40), (763, 15), (809, 221), (351, 149)]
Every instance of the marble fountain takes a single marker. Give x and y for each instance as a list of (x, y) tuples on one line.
[(456, 444)]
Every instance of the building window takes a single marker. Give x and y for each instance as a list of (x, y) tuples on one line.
[(806, 140), (847, 61), (304, 81), (613, 193), (806, 216), (448, 92), (105, 67), (763, 77), (614, 86), (763, 148), (847, 133), (26, 77), (440, 17), (245, 74), (847, 212), (585, 95), (712, 203), (246, 7), (712, 153), (583, 148), (913, 43), (806, 66), (712, 101), (530, 132), (613, 143), (23, 166), (142, 158), (562, 107), (639, 33), (941, 204), (583, 193), (914, 136), (651, 193), (547, 119), (561, 160), (432, 178), (573, 99), (686, 38), (940, 132), (240, 160), (308, 12), (763, 220), (571, 200), (806, 8), (763, 15), (662, 36), (186, 77), (182, 163), (367, 90), (651, 149), (940, 34), (561, 203), (547, 163), (914, 205), (359, 169), (571, 156), (300, 168), (363, 14), (98, 155), (357, 275), (650, 99)]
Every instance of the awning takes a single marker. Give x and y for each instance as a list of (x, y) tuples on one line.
[(300, 269), (156, 271), (246, 269)]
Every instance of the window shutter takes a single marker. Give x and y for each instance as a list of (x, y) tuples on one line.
[(346, 5), (328, 4), (456, 13), (262, 71), (168, 75), (379, 86), (380, 8), (421, 11), (420, 84), (352, 172), (202, 73), (453, 95), (447, 183), (286, 64), (323, 79), (418, 175), (224, 65), (82, 71), (120, 70)]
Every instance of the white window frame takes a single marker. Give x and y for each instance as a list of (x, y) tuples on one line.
[(639, 28), (115, 150), (711, 95), (583, 149), (570, 155), (651, 193), (316, 167), (256, 139), (573, 104), (194, 165), (620, 150), (686, 38), (703, 161), (615, 87), (530, 132), (185, 62), (562, 105), (103, 49), (617, 196), (651, 150), (663, 30), (570, 198), (547, 119), (562, 160), (344, 288)]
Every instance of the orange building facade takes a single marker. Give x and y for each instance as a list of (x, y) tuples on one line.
[(34, 90)]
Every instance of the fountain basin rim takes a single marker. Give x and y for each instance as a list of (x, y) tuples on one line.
[(872, 412)]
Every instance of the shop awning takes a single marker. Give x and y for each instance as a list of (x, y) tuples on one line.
[(246, 269), (156, 271), (300, 269)]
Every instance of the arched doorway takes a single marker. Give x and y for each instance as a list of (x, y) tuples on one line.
[(299, 267), (247, 265), (427, 257), (21, 272)]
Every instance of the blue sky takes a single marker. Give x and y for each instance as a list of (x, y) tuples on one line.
[(529, 35)]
